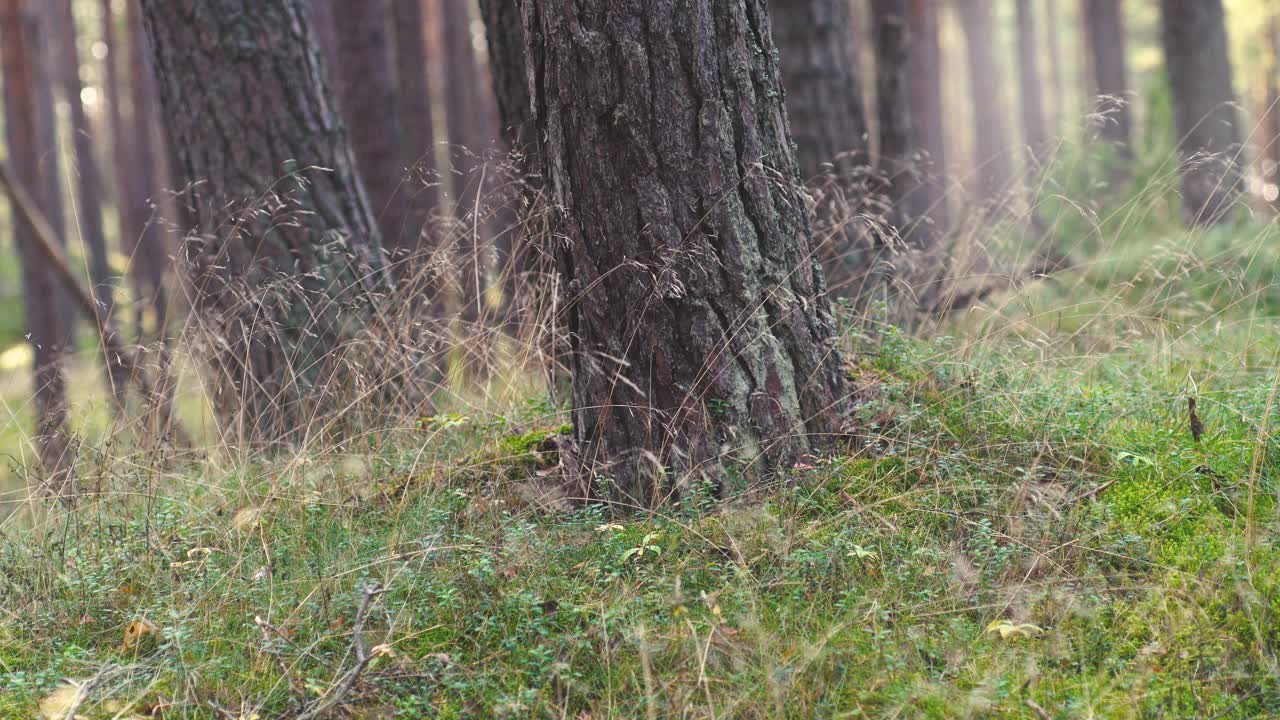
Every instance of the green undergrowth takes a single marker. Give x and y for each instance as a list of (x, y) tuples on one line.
[(1011, 535), (1021, 525)]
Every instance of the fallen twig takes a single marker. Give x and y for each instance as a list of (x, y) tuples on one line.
[(348, 681)]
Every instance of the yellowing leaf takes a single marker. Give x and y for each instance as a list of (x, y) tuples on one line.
[(1012, 631), (863, 554)]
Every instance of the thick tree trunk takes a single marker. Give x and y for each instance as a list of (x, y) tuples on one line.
[(88, 185), (703, 343), (413, 103), (29, 134), (912, 145), (1205, 117), (366, 84), (1034, 135), (991, 135), (288, 266), (149, 256), (1105, 34)]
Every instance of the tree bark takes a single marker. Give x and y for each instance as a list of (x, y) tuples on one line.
[(31, 146), (149, 256), (912, 145), (413, 103), (1034, 135), (703, 344), (88, 185), (1194, 35), (366, 82), (470, 133), (287, 270), (993, 172), (819, 66), (1105, 34)]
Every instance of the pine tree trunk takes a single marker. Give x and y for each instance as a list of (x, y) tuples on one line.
[(1105, 34), (148, 254), (413, 103), (703, 344), (1194, 34), (819, 66), (288, 267), (470, 133), (366, 83), (1053, 46), (88, 186), (1034, 135), (912, 145), (31, 146), (993, 170)]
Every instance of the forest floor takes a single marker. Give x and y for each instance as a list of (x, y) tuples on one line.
[(1028, 530)]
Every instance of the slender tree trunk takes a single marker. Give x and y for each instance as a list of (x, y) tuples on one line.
[(1270, 155), (149, 257), (1056, 110), (505, 39), (366, 82), (470, 133), (1034, 135), (991, 134), (1204, 106), (29, 134), (703, 344), (88, 185), (120, 140), (819, 66), (413, 97), (912, 145), (288, 268), (1105, 34)]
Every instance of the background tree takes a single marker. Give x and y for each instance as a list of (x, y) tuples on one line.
[(703, 345), (287, 266), (992, 170), (819, 66), (912, 144), (417, 130), (32, 149), (366, 89), (1104, 31), (1205, 117), (145, 235), (1034, 135), (471, 131), (88, 180)]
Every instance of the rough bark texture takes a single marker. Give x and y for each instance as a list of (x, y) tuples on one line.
[(505, 36), (287, 265), (88, 183), (1105, 34), (819, 65), (366, 85), (703, 345), (1034, 135), (991, 135), (1204, 112), (30, 140), (148, 253), (413, 105), (910, 116)]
